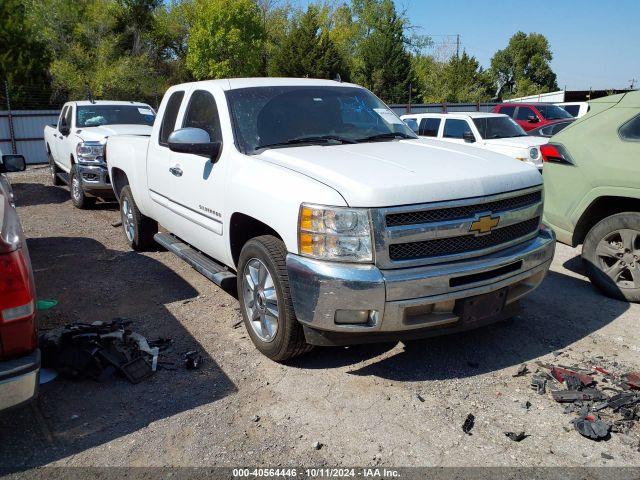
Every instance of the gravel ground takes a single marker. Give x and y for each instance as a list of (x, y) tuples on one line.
[(389, 405)]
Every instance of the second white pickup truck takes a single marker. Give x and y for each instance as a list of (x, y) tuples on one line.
[(338, 224), (75, 145)]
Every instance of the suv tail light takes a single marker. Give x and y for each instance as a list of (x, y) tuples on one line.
[(552, 153)]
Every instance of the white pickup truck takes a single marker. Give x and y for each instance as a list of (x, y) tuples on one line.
[(75, 145), (338, 224)]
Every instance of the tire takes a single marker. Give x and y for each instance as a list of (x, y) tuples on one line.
[(78, 197), (611, 255), (138, 228), (280, 336), (55, 180)]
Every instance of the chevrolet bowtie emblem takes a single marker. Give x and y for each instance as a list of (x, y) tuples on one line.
[(484, 225)]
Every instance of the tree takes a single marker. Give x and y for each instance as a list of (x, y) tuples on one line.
[(23, 58), (523, 67), (385, 64), (226, 39), (461, 79), (308, 51)]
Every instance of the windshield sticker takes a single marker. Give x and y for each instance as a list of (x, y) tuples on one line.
[(145, 111), (388, 116)]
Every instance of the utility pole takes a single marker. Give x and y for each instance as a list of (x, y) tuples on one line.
[(409, 107), (458, 46), (12, 134), (633, 83)]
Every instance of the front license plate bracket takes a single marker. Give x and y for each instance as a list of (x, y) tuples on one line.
[(481, 307)]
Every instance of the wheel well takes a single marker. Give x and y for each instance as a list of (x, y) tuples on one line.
[(601, 208), (242, 229), (119, 180)]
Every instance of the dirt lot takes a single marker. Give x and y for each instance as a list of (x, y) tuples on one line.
[(389, 404)]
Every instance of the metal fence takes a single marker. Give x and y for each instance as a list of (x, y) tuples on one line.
[(402, 109), (22, 131)]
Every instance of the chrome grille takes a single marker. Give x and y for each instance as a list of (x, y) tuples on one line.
[(433, 233), (468, 243), (454, 213)]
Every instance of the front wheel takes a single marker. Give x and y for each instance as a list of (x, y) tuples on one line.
[(265, 299), (78, 197), (138, 228), (611, 254)]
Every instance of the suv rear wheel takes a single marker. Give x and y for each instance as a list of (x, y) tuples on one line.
[(265, 299), (611, 254)]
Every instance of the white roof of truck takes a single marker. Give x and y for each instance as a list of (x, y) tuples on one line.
[(81, 103), (454, 115), (236, 83)]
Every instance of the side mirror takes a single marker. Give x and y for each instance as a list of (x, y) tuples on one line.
[(532, 119), (64, 129), (195, 141), (13, 163), (469, 137)]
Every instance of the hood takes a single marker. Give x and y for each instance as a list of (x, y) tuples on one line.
[(518, 142), (104, 131), (383, 174)]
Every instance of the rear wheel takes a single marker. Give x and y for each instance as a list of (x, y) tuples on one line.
[(611, 254), (54, 170), (138, 228), (79, 198), (265, 300)]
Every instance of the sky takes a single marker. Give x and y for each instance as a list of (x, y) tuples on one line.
[(595, 43)]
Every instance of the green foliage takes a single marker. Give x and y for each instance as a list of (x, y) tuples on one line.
[(523, 67), (227, 38), (458, 80), (308, 50), (23, 58)]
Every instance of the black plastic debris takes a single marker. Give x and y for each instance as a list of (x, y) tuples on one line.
[(192, 360), (592, 427), (468, 424), (516, 437), (97, 350), (539, 383), (522, 370), (570, 396)]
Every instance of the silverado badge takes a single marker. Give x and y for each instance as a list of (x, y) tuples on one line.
[(484, 225)]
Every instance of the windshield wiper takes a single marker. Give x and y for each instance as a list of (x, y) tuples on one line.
[(320, 139), (384, 136)]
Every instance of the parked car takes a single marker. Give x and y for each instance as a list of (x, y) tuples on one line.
[(532, 115), (75, 145), (550, 129), (576, 109), (592, 192), (19, 354), (338, 224), (491, 131)]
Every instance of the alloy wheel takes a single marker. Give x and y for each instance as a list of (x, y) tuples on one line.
[(127, 220), (618, 254), (260, 300), (76, 189)]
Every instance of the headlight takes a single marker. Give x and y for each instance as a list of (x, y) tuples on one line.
[(335, 233), (533, 153), (91, 153)]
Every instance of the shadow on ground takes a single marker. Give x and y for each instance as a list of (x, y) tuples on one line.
[(92, 283), (550, 321), (31, 194)]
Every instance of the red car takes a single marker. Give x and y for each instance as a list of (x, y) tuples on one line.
[(532, 115), (19, 354)]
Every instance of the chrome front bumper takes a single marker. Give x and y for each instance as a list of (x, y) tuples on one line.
[(95, 178), (19, 380), (412, 299)]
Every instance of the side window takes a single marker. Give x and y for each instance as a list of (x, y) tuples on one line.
[(67, 117), (572, 109), (62, 115), (412, 123), (631, 129), (455, 128), (429, 127), (202, 112), (524, 113), (508, 111), (169, 118)]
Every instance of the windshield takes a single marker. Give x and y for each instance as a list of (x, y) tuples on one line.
[(498, 127), (276, 117), (553, 112), (96, 115)]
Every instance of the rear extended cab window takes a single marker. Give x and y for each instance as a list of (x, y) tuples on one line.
[(455, 128), (429, 127), (508, 110), (169, 117)]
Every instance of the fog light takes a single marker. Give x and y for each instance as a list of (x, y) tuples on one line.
[(355, 317), (444, 307)]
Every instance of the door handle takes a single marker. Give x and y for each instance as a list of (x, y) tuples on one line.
[(177, 171)]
